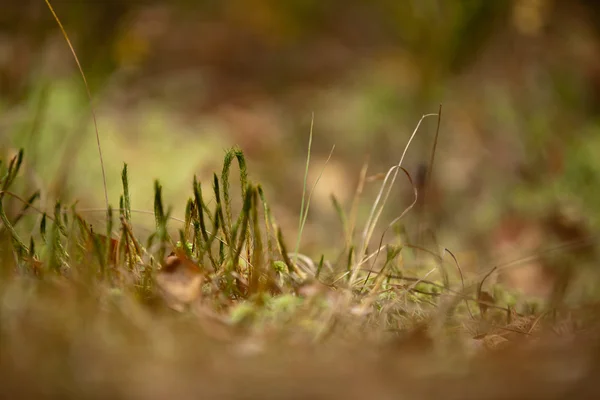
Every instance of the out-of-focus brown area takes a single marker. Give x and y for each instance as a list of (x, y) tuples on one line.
[(117, 349), (175, 83)]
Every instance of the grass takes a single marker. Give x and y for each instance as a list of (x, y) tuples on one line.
[(225, 295), (220, 308)]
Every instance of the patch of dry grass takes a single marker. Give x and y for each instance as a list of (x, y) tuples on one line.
[(225, 312)]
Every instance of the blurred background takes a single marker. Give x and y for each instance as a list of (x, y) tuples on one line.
[(176, 83)]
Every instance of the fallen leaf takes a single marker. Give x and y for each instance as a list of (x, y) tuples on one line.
[(179, 281)]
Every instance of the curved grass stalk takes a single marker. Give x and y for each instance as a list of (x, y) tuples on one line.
[(89, 93), (303, 210), (382, 198)]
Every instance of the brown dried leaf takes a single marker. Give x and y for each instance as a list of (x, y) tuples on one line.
[(494, 342), (179, 281)]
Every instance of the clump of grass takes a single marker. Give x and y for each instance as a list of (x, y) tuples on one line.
[(224, 258), (227, 278)]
